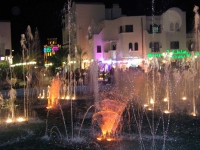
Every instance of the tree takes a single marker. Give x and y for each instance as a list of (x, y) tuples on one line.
[(30, 41), (80, 53), (4, 66), (59, 57)]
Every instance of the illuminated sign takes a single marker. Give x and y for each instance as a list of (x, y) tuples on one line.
[(49, 49), (176, 54), (55, 48)]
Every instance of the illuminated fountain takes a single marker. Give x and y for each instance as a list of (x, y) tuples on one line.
[(108, 117), (143, 111), (54, 93)]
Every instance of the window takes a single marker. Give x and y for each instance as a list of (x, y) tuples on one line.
[(114, 47), (129, 28), (174, 45), (155, 28), (154, 47), (177, 27), (136, 46), (191, 45), (120, 29), (98, 49), (171, 27), (130, 47)]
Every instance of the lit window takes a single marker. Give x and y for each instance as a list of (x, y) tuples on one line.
[(155, 29)]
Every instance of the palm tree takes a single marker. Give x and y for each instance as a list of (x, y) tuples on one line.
[(80, 53), (59, 57)]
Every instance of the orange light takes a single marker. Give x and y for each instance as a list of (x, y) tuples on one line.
[(99, 139), (49, 107)]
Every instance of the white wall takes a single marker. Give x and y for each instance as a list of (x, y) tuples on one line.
[(5, 37), (107, 31)]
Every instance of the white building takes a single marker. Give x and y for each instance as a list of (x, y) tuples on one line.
[(113, 37), (5, 38)]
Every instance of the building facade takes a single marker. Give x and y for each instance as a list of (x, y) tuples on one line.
[(5, 39), (110, 37), (50, 49)]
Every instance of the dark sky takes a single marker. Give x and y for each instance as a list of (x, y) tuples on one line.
[(46, 14)]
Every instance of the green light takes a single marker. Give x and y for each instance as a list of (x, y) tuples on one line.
[(48, 49), (176, 54)]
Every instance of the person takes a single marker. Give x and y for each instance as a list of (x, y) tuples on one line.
[(112, 75), (1, 99), (103, 75)]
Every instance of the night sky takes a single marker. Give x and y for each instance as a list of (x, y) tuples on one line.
[(45, 15)]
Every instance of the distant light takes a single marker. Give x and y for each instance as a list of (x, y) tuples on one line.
[(24, 64), (2, 58)]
